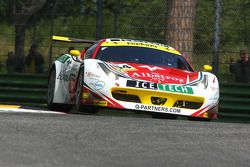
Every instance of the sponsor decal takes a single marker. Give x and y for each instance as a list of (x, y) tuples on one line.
[(157, 108), (176, 88), (161, 87), (69, 62), (141, 84), (63, 76), (138, 43), (63, 58), (142, 44), (92, 75), (97, 85), (156, 76)]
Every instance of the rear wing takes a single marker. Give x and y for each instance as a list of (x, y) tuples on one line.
[(63, 39), (71, 40)]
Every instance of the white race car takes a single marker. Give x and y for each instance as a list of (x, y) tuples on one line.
[(133, 75)]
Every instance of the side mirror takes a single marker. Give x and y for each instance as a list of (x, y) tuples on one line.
[(75, 53), (207, 68)]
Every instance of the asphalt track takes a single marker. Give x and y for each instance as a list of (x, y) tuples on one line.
[(43, 139)]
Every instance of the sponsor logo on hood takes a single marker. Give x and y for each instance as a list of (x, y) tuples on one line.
[(157, 74), (161, 87), (156, 77)]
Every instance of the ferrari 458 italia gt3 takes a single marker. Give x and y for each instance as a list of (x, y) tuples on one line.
[(133, 75)]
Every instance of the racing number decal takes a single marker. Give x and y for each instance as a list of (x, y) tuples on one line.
[(63, 58)]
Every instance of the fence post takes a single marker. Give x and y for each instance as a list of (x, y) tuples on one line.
[(216, 37), (99, 19), (52, 31)]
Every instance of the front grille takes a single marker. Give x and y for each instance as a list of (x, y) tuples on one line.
[(160, 98), (187, 104), (126, 97)]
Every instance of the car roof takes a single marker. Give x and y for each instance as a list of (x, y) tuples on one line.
[(138, 43)]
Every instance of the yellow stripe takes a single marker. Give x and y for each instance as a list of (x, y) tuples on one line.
[(145, 96), (60, 38), (141, 44), (9, 106)]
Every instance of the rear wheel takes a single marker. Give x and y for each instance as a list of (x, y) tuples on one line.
[(163, 116), (51, 92), (79, 106)]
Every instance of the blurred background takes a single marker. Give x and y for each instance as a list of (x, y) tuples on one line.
[(205, 31)]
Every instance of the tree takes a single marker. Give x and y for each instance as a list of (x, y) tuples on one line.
[(22, 10), (180, 25)]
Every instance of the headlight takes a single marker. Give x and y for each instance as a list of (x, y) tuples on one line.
[(112, 75)]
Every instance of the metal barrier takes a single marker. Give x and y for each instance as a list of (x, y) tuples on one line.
[(23, 89), (234, 100), (31, 90)]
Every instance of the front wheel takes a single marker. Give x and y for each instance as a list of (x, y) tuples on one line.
[(79, 105), (51, 91)]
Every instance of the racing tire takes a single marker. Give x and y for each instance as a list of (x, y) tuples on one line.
[(50, 95), (79, 106), (163, 116)]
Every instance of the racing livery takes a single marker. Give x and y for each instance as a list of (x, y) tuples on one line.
[(132, 75)]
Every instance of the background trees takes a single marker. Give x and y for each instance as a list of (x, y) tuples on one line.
[(151, 20), (180, 25), (21, 12)]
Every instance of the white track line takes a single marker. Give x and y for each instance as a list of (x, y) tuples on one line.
[(21, 110)]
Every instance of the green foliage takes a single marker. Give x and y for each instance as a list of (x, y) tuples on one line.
[(3, 11), (203, 37), (138, 19)]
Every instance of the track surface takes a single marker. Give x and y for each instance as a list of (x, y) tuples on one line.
[(106, 140)]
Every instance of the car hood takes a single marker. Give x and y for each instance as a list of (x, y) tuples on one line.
[(157, 74)]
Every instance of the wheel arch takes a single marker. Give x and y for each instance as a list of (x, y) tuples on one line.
[(57, 92), (79, 71)]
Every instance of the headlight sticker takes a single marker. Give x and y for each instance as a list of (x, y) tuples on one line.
[(123, 67)]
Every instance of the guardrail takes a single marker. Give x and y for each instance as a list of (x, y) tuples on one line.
[(31, 90), (23, 89), (234, 100)]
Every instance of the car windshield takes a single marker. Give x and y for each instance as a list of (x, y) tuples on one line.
[(141, 55)]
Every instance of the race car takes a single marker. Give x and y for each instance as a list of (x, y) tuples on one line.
[(132, 75)]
